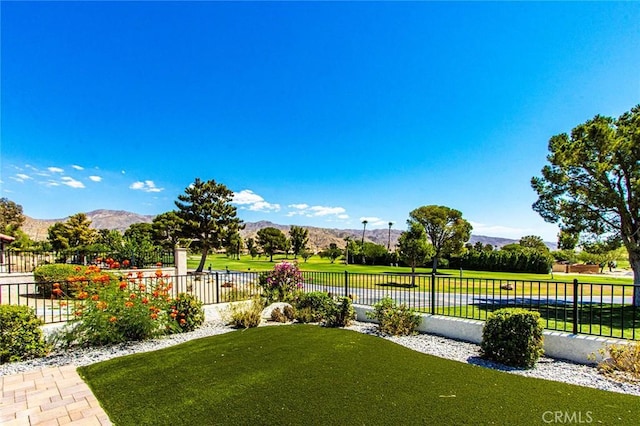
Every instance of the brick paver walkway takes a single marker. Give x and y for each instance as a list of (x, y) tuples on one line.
[(49, 396)]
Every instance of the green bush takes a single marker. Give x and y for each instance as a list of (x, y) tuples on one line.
[(64, 280), (305, 315), (245, 315), (186, 310), (119, 312), (312, 306), (513, 336), (20, 334), (393, 319), (339, 313)]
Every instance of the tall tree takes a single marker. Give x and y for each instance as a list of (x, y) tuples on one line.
[(11, 217), (592, 183), (413, 247), (251, 246), (271, 239), (567, 240), (535, 242), (299, 238), (208, 215), (332, 253), (166, 229), (233, 245), (445, 228)]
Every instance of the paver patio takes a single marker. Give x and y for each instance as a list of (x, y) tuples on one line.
[(49, 396)]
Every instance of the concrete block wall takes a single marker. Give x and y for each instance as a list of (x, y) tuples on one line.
[(572, 347)]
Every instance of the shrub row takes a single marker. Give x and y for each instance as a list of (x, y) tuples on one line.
[(530, 261)]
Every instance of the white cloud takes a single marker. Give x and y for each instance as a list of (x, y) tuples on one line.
[(253, 201), (69, 181), (146, 186), (21, 177), (374, 221), (299, 206), (55, 169), (75, 166), (503, 231), (52, 183), (306, 210), (95, 178)]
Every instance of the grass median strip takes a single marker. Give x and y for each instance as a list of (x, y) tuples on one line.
[(305, 374)]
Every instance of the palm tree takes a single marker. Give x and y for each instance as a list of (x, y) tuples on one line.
[(389, 241), (347, 240), (364, 223)]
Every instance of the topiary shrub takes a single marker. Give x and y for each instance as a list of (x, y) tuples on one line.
[(20, 334), (339, 313), (513, 336), (393, 319), (188, 311)]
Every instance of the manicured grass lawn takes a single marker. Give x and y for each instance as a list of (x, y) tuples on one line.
[(309, 375), (317, 264)]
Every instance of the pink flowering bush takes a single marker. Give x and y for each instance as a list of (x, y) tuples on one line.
[(282, 283)]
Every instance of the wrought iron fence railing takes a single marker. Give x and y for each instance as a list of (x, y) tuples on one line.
[(574, 307), (26, 261)]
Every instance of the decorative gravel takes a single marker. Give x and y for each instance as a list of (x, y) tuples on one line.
[(546, 368)]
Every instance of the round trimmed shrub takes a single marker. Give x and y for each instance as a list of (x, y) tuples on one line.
[(20, 334), (188, 311), (513, 336)]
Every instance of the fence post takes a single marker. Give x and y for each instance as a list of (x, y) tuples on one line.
[(433, 293), (575, 306), (346, 284), (217, 288)]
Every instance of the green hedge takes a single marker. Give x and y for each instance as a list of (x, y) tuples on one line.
[(20, 334), (513, 336)]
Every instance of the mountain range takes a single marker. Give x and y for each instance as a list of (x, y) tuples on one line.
[(319, 238)]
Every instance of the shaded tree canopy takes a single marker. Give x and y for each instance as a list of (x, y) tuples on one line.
[(299, 238), (11, 217), (592, 183), (271, 239), (445, 228), (413, 247), (209, 218)]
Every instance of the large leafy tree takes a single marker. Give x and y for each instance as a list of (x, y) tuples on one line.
[(271, 239), (166, 229), (208, 215), (11, 217), (299, 238), (413, 247), (592, 183), (445, 228), (534, 242)]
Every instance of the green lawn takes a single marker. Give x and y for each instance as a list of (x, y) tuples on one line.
[(317, 264), (309, 375)]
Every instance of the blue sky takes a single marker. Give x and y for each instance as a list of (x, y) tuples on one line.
[(317, 114)]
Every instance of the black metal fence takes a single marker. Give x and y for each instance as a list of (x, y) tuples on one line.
[(574, 307), (26, 261)]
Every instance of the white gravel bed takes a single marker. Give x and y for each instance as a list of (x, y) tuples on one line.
[(546, 368)]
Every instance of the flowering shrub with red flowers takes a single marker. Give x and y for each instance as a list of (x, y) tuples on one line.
[(282, 283), (62, 280), (135, 308)]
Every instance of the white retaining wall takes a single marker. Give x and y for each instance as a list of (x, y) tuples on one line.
[(572, 347)]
